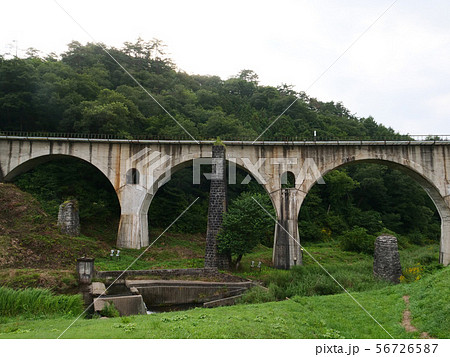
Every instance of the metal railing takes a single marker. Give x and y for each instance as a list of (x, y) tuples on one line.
[(429, 138)]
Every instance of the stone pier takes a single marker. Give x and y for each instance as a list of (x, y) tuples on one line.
[(217, 207)]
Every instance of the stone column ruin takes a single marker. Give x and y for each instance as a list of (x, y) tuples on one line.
[(386, 262), (69, 219)]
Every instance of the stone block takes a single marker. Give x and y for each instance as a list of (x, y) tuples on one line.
[(126, 305)]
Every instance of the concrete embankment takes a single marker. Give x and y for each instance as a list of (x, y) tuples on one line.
[(175, 292)]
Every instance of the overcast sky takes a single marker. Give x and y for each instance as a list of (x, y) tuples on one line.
[(398, 72)]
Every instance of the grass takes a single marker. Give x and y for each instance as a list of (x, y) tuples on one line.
[(60, 281), (353, 270), (172, 250), (332, 316), (37, 302), (29, 238), (430, 304)]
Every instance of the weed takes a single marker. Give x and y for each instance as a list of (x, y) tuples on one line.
[(127, 327), (109, 310)]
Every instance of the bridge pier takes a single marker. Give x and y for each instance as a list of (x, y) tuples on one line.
[(133, 226), (444, 250), (286, 250), (217, 207)]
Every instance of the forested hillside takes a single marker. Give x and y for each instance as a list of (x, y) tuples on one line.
[(83, 90)]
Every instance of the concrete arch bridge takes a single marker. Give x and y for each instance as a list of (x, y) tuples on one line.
[(137, 168)]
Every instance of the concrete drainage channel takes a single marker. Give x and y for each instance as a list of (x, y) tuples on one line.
[(140, 296)]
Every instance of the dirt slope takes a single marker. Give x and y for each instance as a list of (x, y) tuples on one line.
[(29, 237)]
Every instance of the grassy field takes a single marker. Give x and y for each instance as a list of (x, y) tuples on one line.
[(332, 316)]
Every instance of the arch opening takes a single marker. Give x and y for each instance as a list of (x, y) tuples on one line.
[(175, 195), (133, 176), (181, 179), (287, 179), (375, 196), (53, 179)]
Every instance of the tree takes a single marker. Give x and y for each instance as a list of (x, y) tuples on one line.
[(245, 225), (110, 113)]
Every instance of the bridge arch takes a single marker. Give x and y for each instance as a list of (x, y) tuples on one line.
[(163, 177), (35, 162), (133, 177), (32, 163), (287, 179), (427, 180), (136, 199)]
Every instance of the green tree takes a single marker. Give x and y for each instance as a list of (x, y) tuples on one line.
[(110, 113), (245, 225)]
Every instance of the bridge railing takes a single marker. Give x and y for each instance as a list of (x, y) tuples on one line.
[(398, 137)]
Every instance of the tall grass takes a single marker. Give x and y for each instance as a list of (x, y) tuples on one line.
[(354, 271), (312, 280), (37, 302)]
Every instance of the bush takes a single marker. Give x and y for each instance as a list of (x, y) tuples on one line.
[(412, 274), (311, 280), (244, 225), (417, 238), (357, 240), (311, 232), (370, 220)]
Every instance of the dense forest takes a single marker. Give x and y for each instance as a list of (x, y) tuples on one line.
[(84, 90)]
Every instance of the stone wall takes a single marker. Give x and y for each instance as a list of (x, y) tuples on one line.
[(190, 273)]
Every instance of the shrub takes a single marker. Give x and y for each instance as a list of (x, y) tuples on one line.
[(109, 310), (417, 238), (357, 240), (244, 224), (310, 231), (412, 274)]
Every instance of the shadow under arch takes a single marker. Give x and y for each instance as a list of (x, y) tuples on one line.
[(429, 187), (163, 179), (33, 163)]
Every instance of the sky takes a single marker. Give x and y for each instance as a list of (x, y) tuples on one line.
[(397, 71)]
